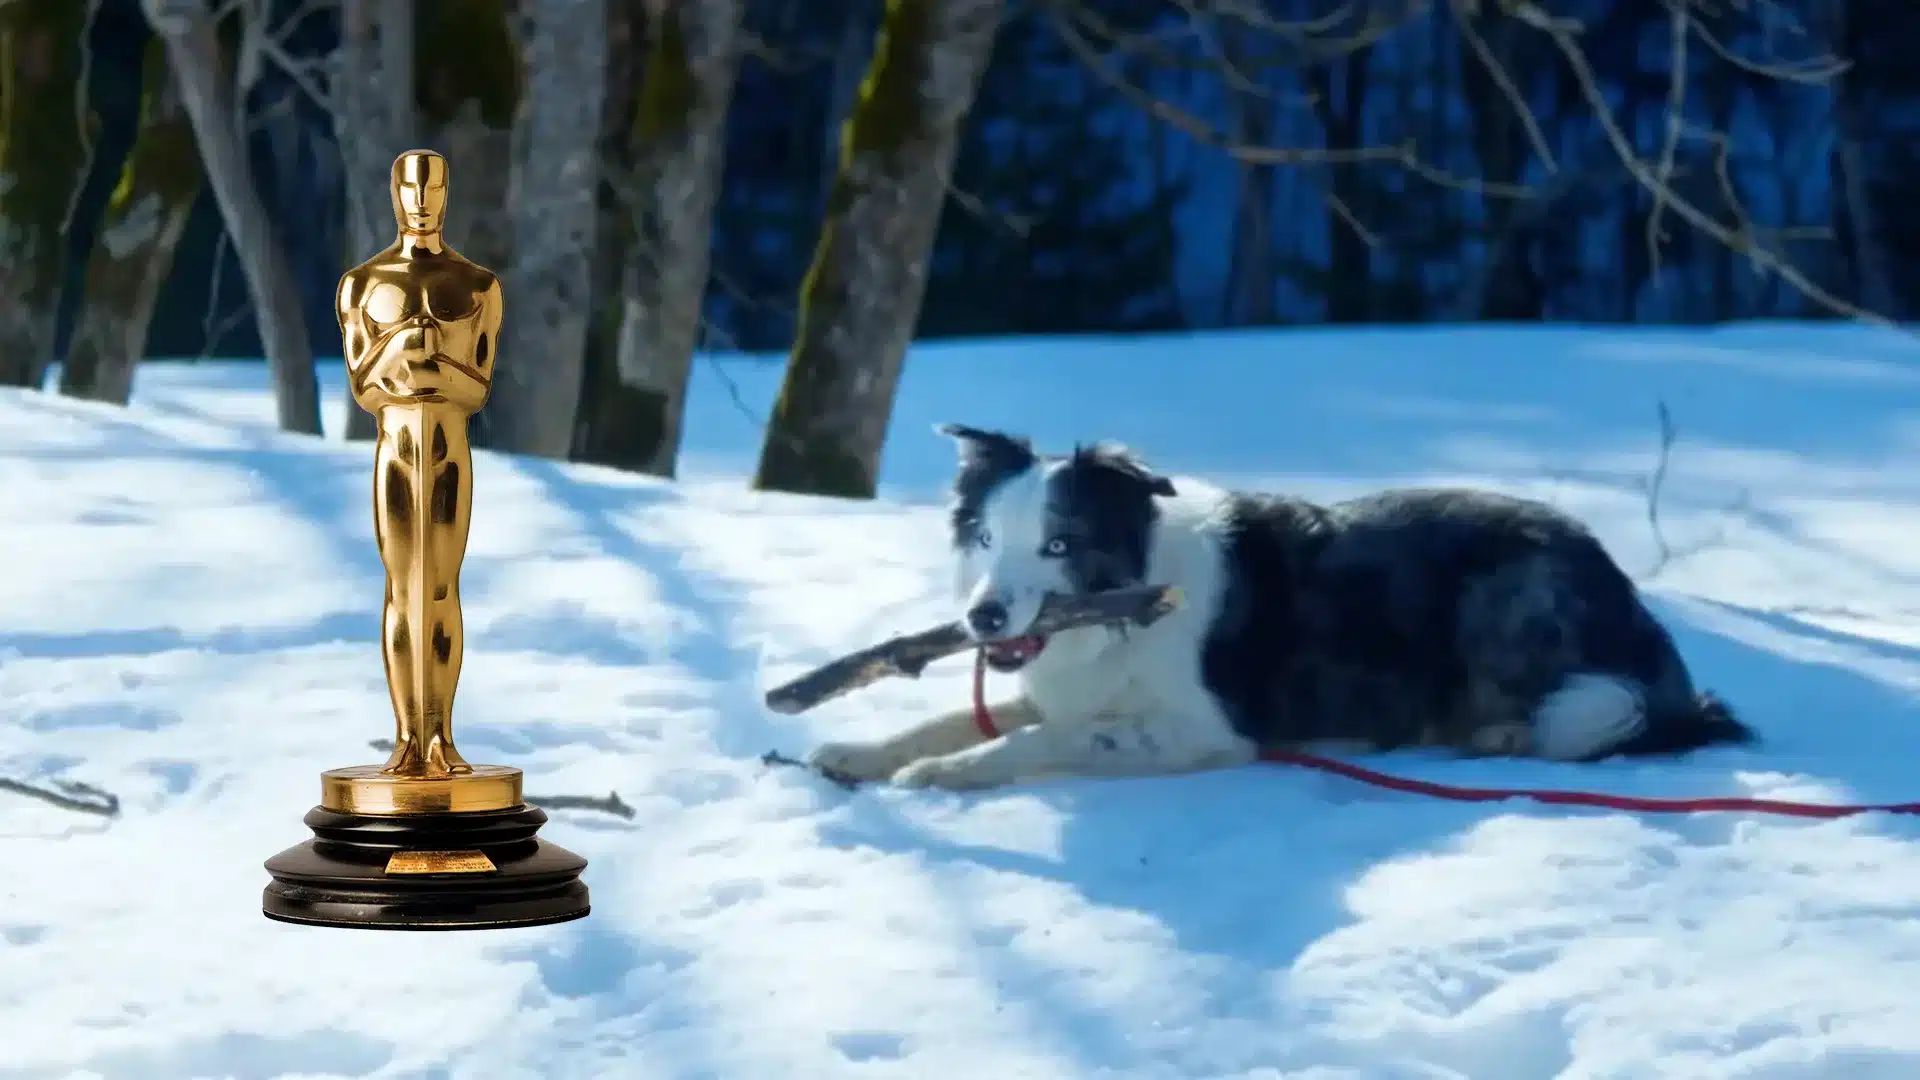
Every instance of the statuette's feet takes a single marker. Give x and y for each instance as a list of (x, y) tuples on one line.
[(436, 759)]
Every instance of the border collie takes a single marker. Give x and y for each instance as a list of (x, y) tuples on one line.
[(1461, 620)]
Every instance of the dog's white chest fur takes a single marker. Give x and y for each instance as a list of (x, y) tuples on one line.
[(1088, 674), (1138, 701)]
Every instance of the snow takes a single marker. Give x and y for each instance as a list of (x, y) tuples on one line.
[(188, 613)]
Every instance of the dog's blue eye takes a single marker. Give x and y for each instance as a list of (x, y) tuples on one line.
[(983, 537), (1057, 546)]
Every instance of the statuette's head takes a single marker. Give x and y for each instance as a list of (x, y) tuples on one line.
[(419, 191)]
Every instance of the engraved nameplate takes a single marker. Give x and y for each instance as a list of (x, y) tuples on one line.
[(439, 862)]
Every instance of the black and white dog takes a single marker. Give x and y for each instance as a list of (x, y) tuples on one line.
[(1456, 619)]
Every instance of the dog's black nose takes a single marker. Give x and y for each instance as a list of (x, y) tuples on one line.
[(987, 618)]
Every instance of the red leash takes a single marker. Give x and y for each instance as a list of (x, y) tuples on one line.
[(983, 719)]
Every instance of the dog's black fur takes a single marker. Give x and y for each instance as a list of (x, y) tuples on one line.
[(1433, 614)]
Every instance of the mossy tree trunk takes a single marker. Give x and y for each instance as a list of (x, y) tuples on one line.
[(599, 410), (42, 159), (187, 29), (375, 121), (467, 82), (633, 416), (552, 199), (861, 297), (478, 156), (139, 234)]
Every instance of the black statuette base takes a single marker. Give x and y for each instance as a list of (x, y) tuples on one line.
[(459, 871)]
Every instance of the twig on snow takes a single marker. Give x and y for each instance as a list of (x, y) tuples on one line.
[(68, 795), (775, 757), (1665, 554), (606, 804), (1662, 550), (610, 803)]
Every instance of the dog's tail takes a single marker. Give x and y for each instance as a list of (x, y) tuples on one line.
[(1707, 721)]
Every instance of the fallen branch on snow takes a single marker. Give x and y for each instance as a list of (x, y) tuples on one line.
[(68, 795), (606, 804)]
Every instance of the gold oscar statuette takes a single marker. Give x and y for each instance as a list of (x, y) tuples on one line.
[(425, 841)]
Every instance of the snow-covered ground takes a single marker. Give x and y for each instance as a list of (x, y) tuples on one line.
[(188, 603)]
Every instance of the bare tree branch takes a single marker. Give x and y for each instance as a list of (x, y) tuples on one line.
[(1313, 39), (1096, 42), (1739, 237), (1201, 25), (1676, 115), (1064, 16), (1017, 225), (1813, 71), (1345, 213), (1496, 71)]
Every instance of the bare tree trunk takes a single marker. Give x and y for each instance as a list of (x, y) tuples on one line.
[(1641, 264), (479, 158), (862, 294), (1251, 279), (679, 142), (468, 79), (1350, 284), (468, 76), (1501, 286), (193, 53), (1873, 288), (1722, 300), (134, 253), (600, 410), (42, 161), (374, 121), (555, 177)]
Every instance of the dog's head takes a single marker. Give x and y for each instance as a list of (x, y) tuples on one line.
[(1027, 524)]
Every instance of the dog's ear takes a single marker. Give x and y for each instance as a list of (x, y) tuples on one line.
[(963, 434), (1117, 457), (976, 444)]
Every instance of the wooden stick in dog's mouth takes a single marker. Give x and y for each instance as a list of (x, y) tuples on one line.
[(909, 654)]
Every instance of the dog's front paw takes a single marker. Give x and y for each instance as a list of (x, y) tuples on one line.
[(951, 773), (856, 760)]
